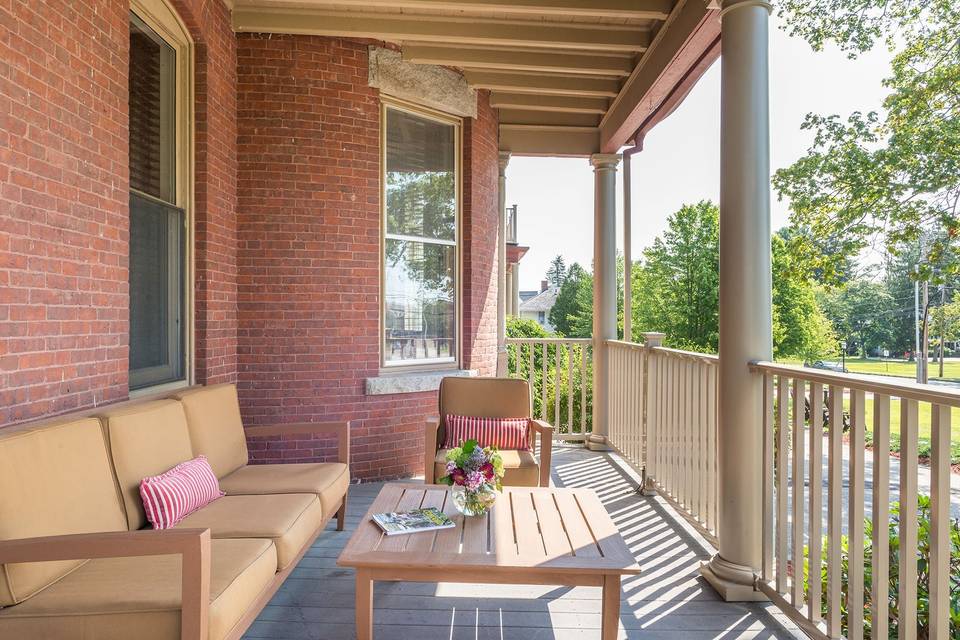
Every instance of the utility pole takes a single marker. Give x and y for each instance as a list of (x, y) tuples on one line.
[(925, 334), (943, 302), (916, 322)]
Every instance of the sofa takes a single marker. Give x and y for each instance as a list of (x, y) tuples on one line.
[(77, 559)]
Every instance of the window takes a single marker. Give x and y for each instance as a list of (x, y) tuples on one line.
[(158, 214), (420, 268), (541, 317)]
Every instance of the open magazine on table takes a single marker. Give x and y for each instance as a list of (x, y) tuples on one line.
[(397, 523)]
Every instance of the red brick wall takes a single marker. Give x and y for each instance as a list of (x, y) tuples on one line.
[(64, 202), (309, 242)]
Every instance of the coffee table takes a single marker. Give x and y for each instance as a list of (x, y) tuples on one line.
[(532, 535)]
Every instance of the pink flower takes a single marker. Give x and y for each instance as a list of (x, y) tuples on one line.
[(458, 476), (474, 480), (487, 471)]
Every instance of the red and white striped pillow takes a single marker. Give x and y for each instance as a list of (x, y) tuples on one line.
[(173, 495), (502, 433)]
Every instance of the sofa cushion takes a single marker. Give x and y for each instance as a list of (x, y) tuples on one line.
[(173, 495), (123, 598), (520, 468), (54, 480), (289, 520), (216, 430), (145, 439), (328, 480)]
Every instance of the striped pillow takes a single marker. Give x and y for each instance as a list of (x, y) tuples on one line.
[(173, 495), (502, 433)]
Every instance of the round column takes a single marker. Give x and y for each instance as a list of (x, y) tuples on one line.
[(745, 295), (502, 266)]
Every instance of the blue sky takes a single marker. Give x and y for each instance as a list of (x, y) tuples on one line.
[(681, 157)]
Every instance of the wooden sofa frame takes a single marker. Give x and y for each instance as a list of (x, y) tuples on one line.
[(193, 545)]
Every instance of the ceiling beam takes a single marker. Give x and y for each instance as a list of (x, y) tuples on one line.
[(530, 102), (543, 84), (625, 9), (519, 116), (537, 140), (690, 33), (550, 62), (398, 27)]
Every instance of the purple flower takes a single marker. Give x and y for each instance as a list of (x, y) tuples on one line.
[(474, 480)]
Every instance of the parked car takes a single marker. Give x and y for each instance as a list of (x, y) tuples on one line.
[(829, 366)]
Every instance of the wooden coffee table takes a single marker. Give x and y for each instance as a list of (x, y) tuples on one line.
[(531, 536)]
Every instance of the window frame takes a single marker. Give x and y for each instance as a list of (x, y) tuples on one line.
[(434, 364), (162, 18)]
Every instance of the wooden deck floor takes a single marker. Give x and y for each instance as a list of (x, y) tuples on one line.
[(668, 600)]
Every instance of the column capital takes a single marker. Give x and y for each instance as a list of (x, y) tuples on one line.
[(729, 5), (653, 338), (503, 161), (605, 161)]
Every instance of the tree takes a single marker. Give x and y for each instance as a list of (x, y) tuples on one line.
[(557, 272), (566, 306), (860, 312), (800, 328), (899, 278), (888, 177)]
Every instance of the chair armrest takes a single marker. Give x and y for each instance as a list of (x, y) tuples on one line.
[(430, 449), (340, 429), (545, 431), (193, 545)]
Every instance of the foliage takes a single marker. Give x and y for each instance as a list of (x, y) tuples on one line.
[(473, 466), (566, 308), (557, 272), (923, 574), (860, 311), (800, 328), (899, 279), (945, 321), (890, 177)]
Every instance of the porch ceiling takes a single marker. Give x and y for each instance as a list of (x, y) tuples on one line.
[(569, 77)]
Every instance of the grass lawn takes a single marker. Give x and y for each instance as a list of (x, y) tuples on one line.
[(923, 427), (889, 367)]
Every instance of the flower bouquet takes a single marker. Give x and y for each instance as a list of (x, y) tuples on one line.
[(476, 474)]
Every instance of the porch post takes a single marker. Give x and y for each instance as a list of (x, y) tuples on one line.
[(604, 286), (502, 266), (627, 257), (745, 295), (515, 290), (509, 289)]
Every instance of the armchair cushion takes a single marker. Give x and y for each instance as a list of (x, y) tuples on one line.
[(327, 480), (503, 433), (520, 467), (139, 597)]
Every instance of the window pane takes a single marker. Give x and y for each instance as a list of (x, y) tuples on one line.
[(156, 292), (420, 177), (420, 309), (152, 83)]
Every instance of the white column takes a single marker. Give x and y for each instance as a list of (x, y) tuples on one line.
[(627, 257), (745, 294), (515, 290), (502, 267), (604, 286), (508, 290)]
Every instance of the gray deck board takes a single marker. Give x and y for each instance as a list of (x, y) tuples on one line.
[(668, 600)]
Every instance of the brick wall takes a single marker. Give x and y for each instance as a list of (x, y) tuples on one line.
[(64, 202), (309, 242)]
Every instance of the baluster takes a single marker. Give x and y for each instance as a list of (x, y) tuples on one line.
[(940, 523), (569, 388), (557, 366), (834, 510), (544, 378), (816, 501), (880, 627), (768, 435), (531, 369), (639, 408), (712, 447), (855, 512), (783, 395), (799, 393), (583, 389), (909, 414)]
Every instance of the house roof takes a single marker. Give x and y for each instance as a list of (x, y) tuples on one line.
[(543, 301), (569, 77)]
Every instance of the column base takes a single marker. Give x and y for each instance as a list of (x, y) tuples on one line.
[(597, 442), (648, 487), (734, 582)]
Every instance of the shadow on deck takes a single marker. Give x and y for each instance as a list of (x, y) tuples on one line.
[(668, 600)]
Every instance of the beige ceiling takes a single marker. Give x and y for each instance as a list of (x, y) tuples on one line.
[(566, 75)]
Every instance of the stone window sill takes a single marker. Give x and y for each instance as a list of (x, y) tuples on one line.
[(412, 382)]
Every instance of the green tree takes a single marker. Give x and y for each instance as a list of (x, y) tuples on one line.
[(883, 177), (557, 272), (565, 308), (800, 328), (860, 312), (900, 281)]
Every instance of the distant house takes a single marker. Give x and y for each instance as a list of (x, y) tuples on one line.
[(537, 305)]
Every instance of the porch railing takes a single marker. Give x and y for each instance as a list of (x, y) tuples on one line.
[(800, 527), (560, 372)]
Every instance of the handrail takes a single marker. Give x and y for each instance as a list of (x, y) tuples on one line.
[(908, 390), (550, 340)]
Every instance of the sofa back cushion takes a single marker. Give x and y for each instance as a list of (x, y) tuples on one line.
[(216, 430), (145, 439), (54, 480)]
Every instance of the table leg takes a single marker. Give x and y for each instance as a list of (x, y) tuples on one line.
[(364, 605), (610, 624)]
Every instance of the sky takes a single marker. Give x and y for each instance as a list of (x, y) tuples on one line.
[(680, 161)]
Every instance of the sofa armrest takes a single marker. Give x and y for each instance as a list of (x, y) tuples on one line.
[(193, 545), (430, 449), (340, 429), (545, 431)]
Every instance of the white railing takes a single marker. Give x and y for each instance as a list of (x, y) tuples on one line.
[(560, 374), (800, 526)]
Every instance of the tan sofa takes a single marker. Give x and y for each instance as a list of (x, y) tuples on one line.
[(76, 561), (490, 398)]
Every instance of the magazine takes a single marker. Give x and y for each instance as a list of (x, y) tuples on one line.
[(429, 519)]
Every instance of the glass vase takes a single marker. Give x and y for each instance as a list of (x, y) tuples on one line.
[(474, 503)]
